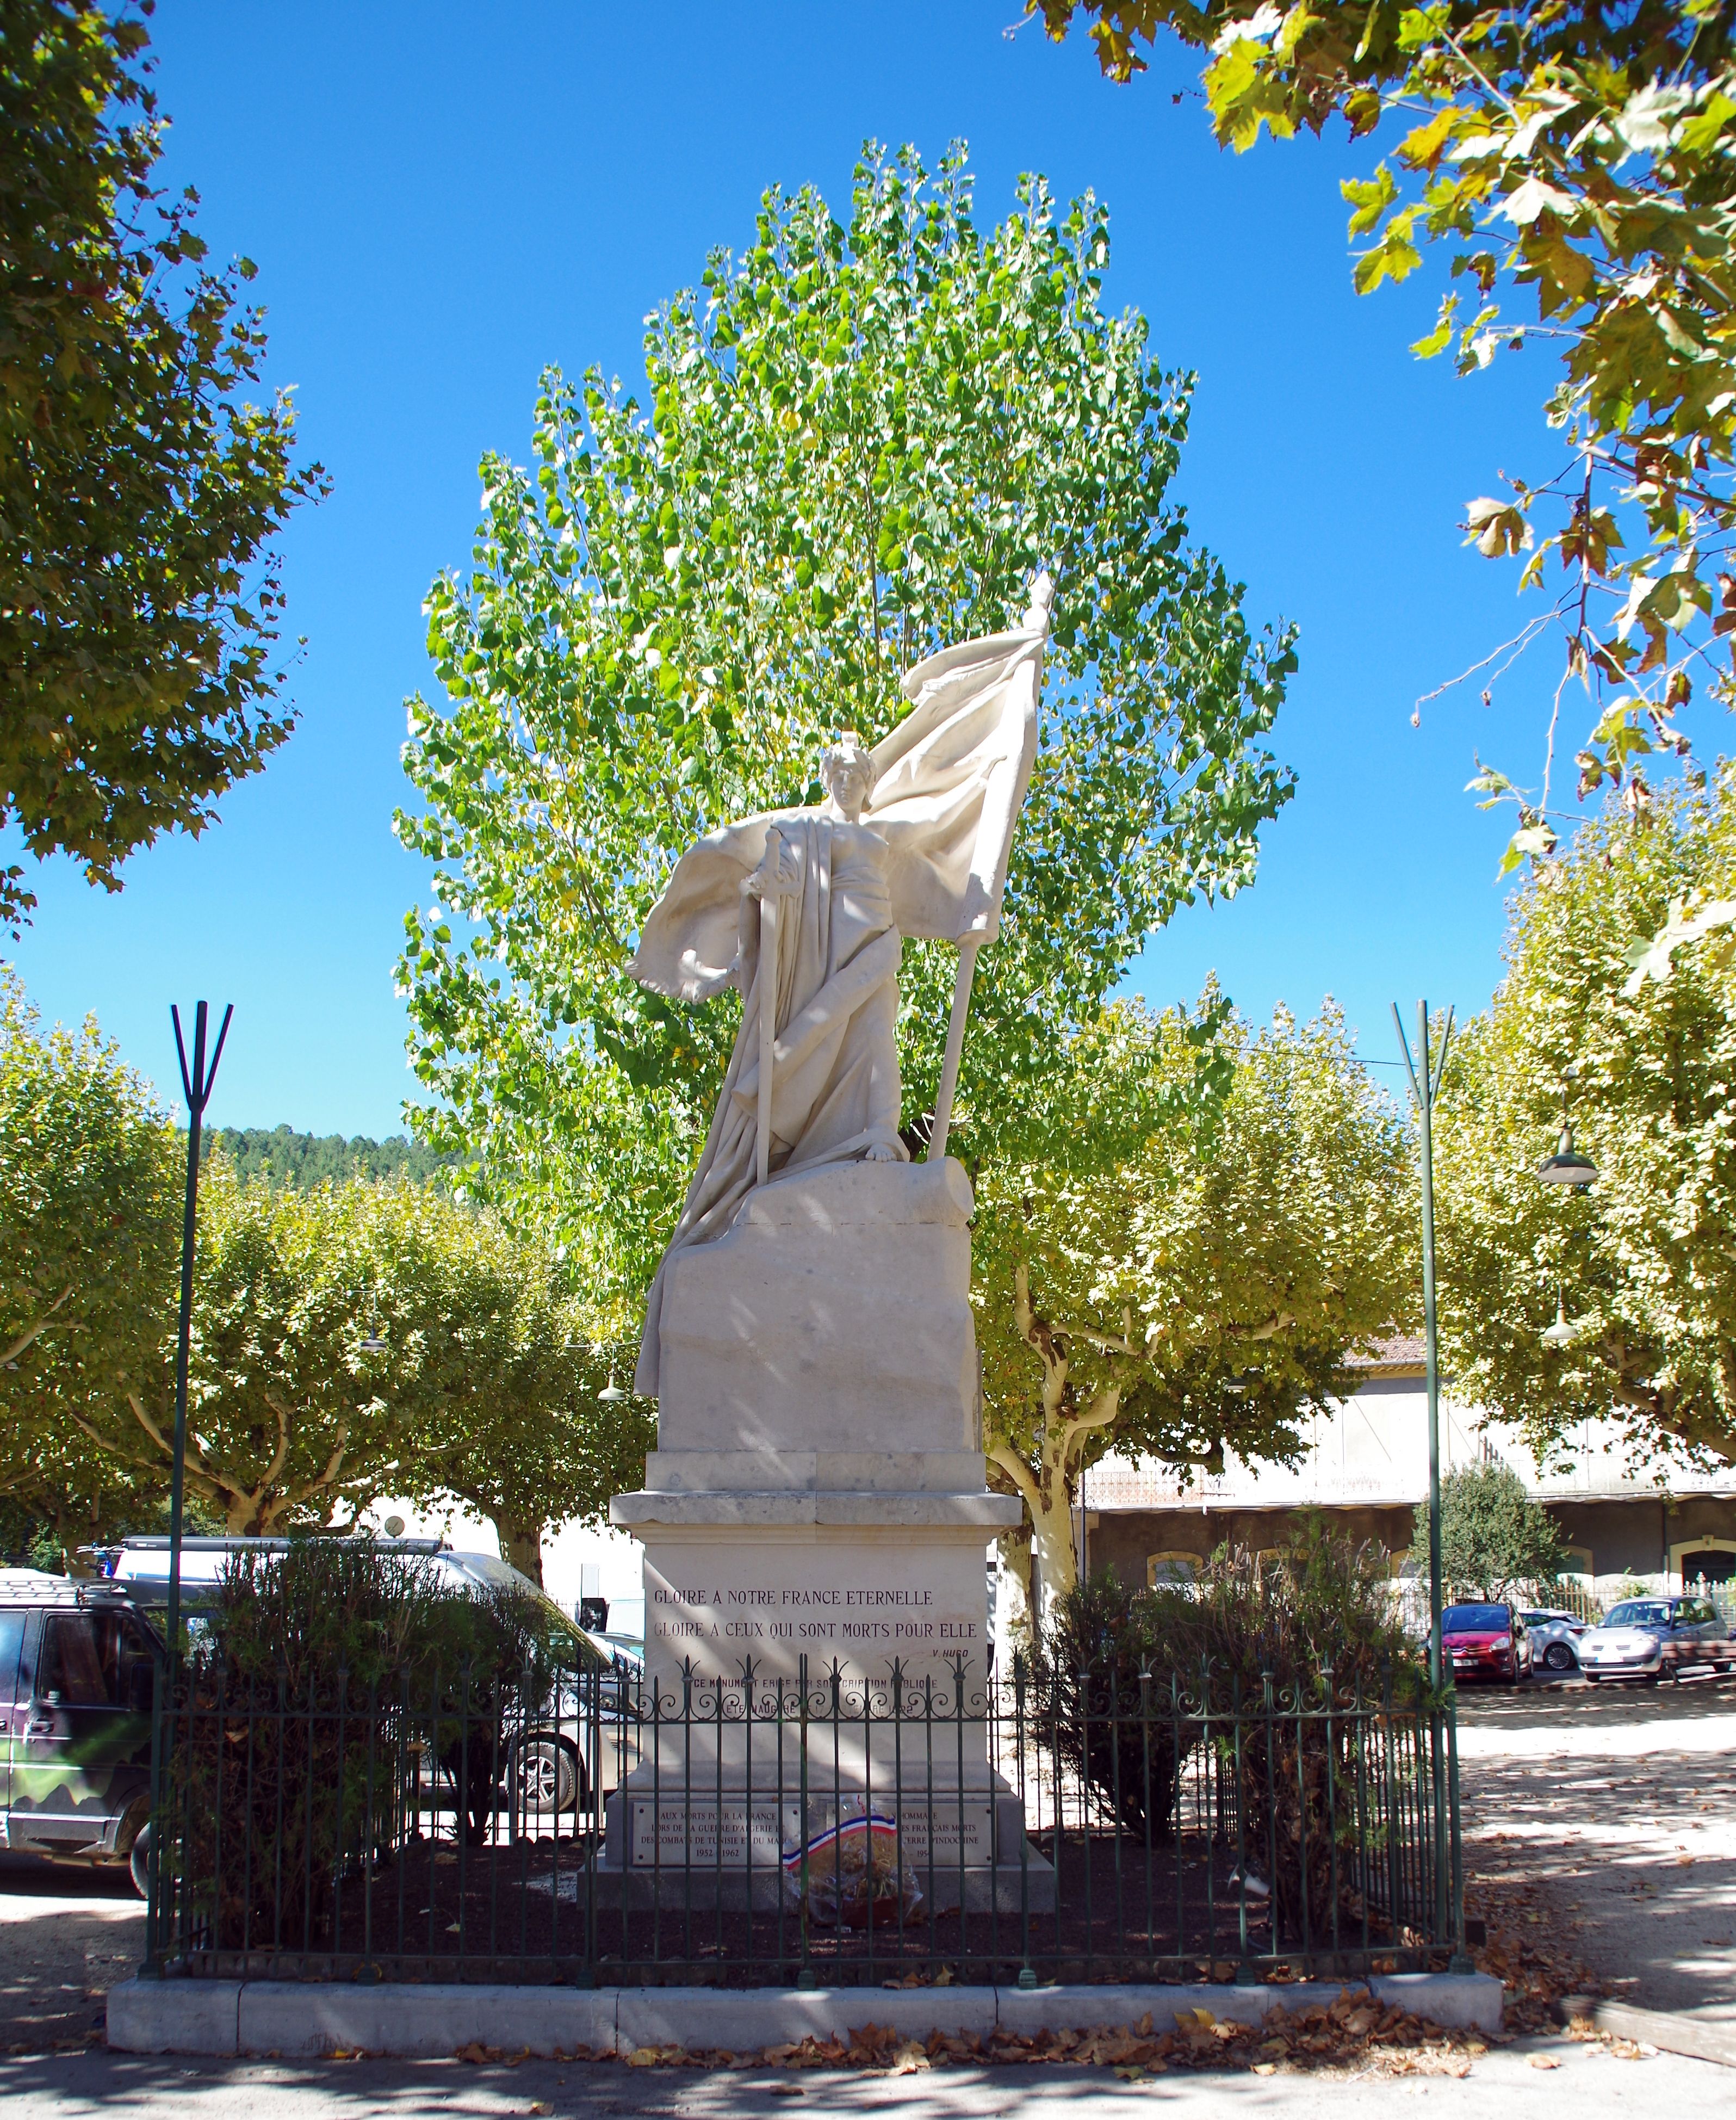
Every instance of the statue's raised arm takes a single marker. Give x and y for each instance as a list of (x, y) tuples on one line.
[(806, 909)]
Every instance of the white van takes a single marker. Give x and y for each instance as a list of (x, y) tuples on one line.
[(573, 1745)]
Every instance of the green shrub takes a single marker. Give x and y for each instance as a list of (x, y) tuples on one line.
[(318, 1683), (1130, 1681), (1496, 1541)]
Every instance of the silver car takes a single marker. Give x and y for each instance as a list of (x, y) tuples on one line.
[(1646, 1637), (1555, 1637)]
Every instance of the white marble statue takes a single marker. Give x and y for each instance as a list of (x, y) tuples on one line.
[(805, 910)]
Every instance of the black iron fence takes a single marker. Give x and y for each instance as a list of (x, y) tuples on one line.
[(586, 1828)]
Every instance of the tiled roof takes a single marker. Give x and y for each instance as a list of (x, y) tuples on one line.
[(1402, 1350)]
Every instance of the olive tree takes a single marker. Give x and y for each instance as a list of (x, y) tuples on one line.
[(858, 443), (1226, 1214), (1495, 1538)]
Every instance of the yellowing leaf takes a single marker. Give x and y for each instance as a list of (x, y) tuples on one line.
[(1441, 337)]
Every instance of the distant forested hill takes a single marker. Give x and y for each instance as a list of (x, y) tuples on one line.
[(289, 1158)]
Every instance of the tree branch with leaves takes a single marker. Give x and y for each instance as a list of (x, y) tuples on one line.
[(1586, 156), (1223, 1216)]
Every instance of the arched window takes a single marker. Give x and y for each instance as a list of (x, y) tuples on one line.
[(1710, 1561), (1176, 1567)]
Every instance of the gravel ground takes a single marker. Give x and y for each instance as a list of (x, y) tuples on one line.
[(67, 1935), (1600, 1839)]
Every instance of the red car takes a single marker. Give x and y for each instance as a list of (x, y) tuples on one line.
[(1486, 1641)]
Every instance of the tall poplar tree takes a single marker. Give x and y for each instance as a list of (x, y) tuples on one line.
[(859, 443)]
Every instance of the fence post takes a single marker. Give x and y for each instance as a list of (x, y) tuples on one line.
[(1245, 1972), (152, 1968), (1461, 1960), (804, 1977), (1026, 1974)]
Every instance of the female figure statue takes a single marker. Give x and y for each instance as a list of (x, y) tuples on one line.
[(912, 839)]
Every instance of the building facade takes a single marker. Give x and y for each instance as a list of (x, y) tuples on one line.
[(1367, 1464)]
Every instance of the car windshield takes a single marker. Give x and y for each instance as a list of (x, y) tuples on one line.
[(488, 1573), (1474, 1620), (1639, 1612)]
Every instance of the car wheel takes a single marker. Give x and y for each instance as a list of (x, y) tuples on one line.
[(549, 1779), (1557, 1656), (140, 1860)]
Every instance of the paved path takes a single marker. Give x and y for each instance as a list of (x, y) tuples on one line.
[(1600, 1836), (1587, 2084), (67, 1935)]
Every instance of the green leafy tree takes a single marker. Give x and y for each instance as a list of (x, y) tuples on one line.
[(860, 443), (138, 489), (1495, 1541), (1226, 1216), (291, 1418), (1586, 151), (510, 1416), (90, 1234), (350, 1340), (1633, 1282)]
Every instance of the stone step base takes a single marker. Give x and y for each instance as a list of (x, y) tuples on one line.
[(303, 2021)]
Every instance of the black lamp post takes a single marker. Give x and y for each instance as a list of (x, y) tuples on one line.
[(196, 1082), (1579, 1174), (1425, 1071)]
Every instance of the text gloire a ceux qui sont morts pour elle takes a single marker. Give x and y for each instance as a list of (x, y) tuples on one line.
[(791, 1615)]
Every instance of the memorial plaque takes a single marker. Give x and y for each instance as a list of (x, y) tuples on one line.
[(728, 1832)]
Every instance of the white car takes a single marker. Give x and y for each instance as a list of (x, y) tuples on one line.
[(1621, 1648), (1555, 1637), (574, 1741)]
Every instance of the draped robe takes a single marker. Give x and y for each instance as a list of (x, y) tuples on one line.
[(928, 859)]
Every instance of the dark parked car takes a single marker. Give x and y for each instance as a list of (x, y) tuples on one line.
[(76, 1665), (1486, 1641)]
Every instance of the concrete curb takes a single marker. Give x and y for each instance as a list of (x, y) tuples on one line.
[(305, 2019), (1667, 2030)]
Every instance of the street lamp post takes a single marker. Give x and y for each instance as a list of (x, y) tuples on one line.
[(1425, 1072), (196, 1082)]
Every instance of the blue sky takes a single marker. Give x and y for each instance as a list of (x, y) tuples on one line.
[(442, 199)]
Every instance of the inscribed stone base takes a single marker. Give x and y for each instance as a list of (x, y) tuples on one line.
[(773, 1594)]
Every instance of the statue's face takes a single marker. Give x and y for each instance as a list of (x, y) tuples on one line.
[(847, 783)]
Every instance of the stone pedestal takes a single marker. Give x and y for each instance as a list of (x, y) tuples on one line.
[(816, 1520)]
